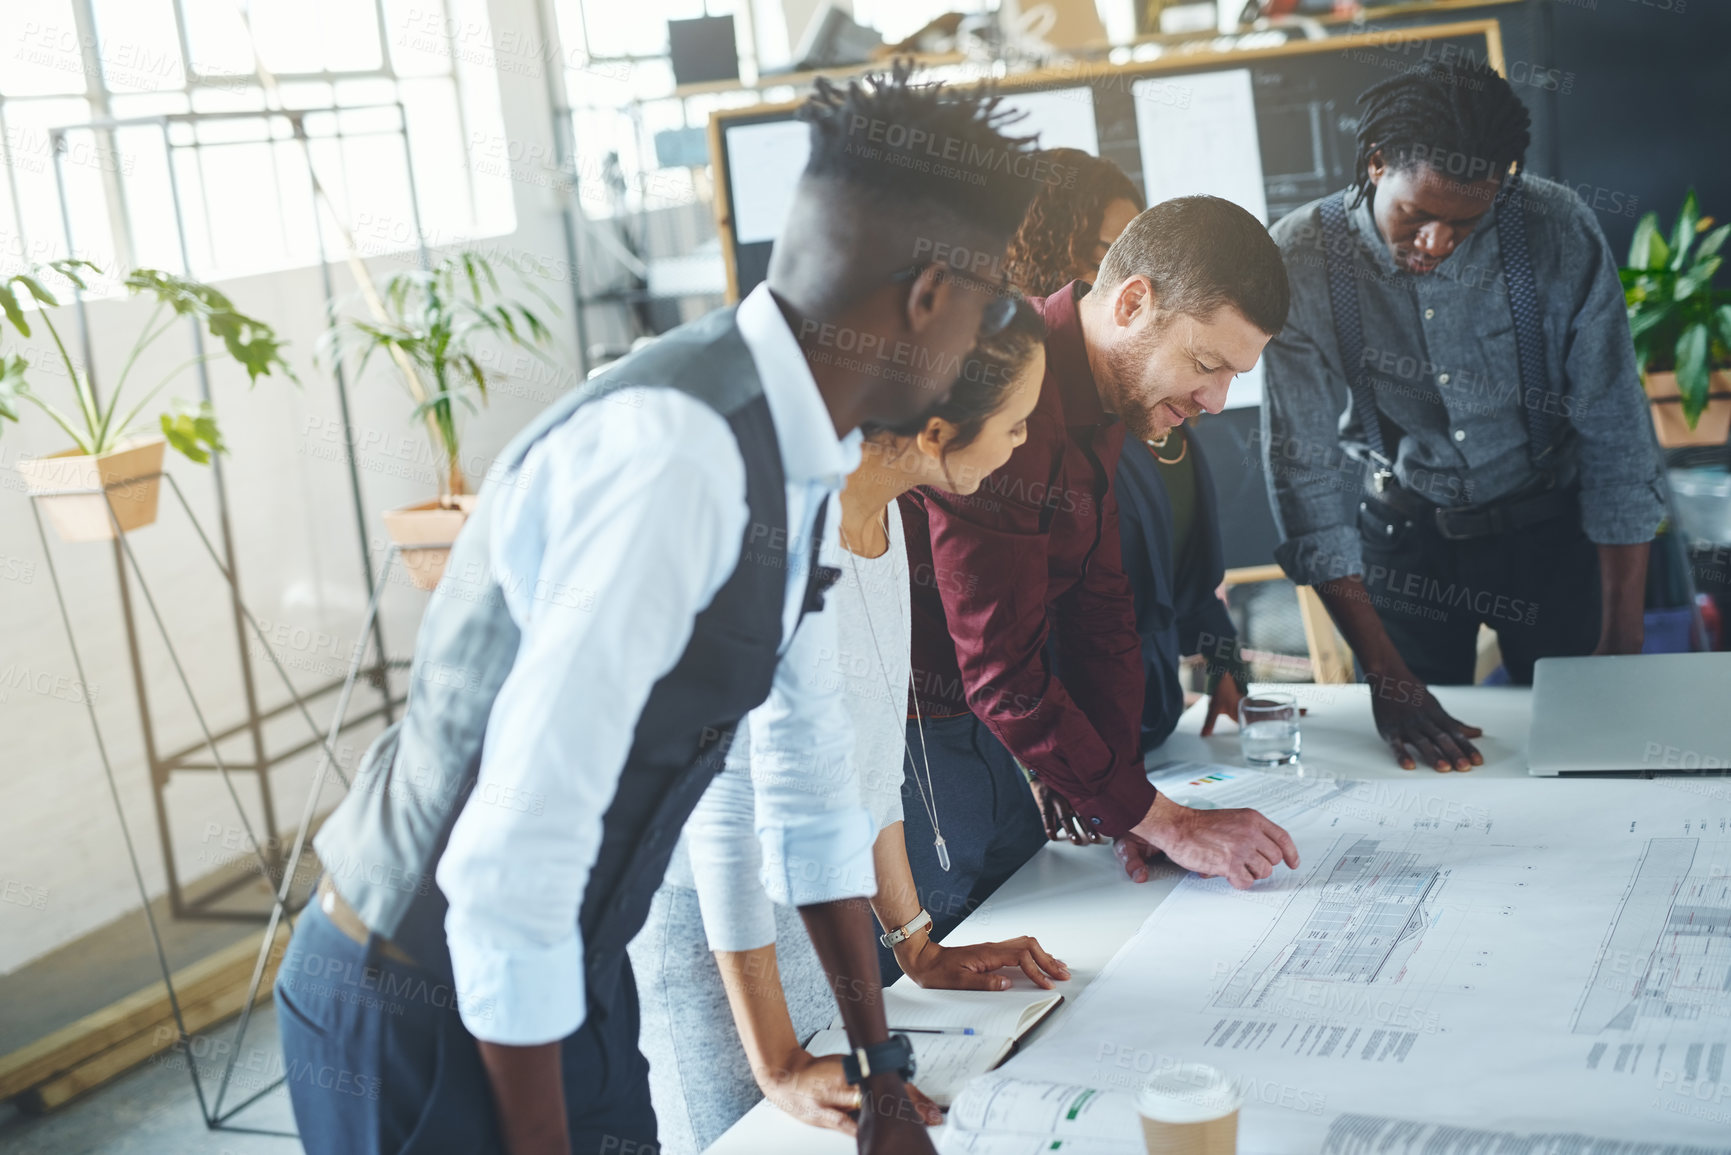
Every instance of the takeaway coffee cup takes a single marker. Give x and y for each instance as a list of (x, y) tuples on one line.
[(1191, 1109)]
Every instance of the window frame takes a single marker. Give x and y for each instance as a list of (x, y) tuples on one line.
[(40, 239)]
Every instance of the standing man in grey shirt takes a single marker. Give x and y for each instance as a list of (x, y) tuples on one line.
[(1453, 427)]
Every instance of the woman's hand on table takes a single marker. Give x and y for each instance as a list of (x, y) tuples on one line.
[(975, 967), (813, 1089)]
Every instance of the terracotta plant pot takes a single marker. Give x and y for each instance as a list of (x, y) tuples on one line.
[(1667, 405), (426, 531), (129, 477)]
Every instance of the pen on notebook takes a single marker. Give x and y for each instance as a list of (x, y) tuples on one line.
[(932, 1030)]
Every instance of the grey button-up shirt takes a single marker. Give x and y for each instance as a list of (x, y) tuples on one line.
[(1440, 352)]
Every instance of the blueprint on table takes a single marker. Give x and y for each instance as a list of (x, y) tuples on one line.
[(1542, 958)]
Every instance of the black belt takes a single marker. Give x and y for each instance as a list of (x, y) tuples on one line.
[(1532, 506)]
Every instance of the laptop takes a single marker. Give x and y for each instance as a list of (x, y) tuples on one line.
[(1640, 713)]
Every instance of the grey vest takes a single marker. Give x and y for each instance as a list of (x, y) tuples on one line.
[(383, 843)]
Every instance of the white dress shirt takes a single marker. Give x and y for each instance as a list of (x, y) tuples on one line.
[(620, 527), (717, 854)]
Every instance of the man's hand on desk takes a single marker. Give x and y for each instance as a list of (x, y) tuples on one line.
[(1409, 718), (1407, 714), (975, 967), (814, 1090), (1240, 845)]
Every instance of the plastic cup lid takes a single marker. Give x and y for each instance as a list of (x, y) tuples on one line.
[(1188, 1093)]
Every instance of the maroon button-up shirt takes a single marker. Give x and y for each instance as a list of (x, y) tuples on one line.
[(1033, 557)]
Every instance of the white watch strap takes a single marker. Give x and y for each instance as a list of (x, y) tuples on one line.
[(907, 930)]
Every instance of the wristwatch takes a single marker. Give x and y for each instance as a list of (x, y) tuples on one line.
[(907, 930), (895, 1053)]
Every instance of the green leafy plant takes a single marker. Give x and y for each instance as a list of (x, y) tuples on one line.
[(1678, 320), (432, 318), (190, 427)]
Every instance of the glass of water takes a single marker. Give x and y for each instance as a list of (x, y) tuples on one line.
[(1268, 729)]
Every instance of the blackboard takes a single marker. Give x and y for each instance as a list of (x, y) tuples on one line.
[(1303, 92)]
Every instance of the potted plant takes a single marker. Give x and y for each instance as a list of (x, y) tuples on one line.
[(428, 324), (111, 455), (1681, 325)]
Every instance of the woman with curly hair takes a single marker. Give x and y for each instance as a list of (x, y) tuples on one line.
[(1168, 516), (1071, 223)]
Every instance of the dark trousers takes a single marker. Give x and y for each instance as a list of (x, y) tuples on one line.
[(379, 1063), (986, 811), (1538, 588)]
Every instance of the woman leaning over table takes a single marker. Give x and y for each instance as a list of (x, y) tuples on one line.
[(721, 1028)]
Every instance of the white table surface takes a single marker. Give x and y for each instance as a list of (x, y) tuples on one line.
[(1079, 904)]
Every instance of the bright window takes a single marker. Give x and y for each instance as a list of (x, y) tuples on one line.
[(153, 120), (619, 86)]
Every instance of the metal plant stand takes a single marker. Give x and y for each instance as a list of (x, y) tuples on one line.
[(285, 903), (283, 906), (272, 864), (283, 900), (162, 766)]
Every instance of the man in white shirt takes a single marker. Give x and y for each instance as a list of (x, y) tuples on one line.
[(619, 600)]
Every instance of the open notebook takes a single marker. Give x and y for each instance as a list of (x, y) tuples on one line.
[(945, 1056)]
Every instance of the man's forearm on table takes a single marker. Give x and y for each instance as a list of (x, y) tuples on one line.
[(1348, 603)]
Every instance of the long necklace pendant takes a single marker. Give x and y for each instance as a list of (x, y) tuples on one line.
[(943, 852)]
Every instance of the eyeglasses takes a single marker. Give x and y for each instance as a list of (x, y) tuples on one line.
[(999, 311)]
